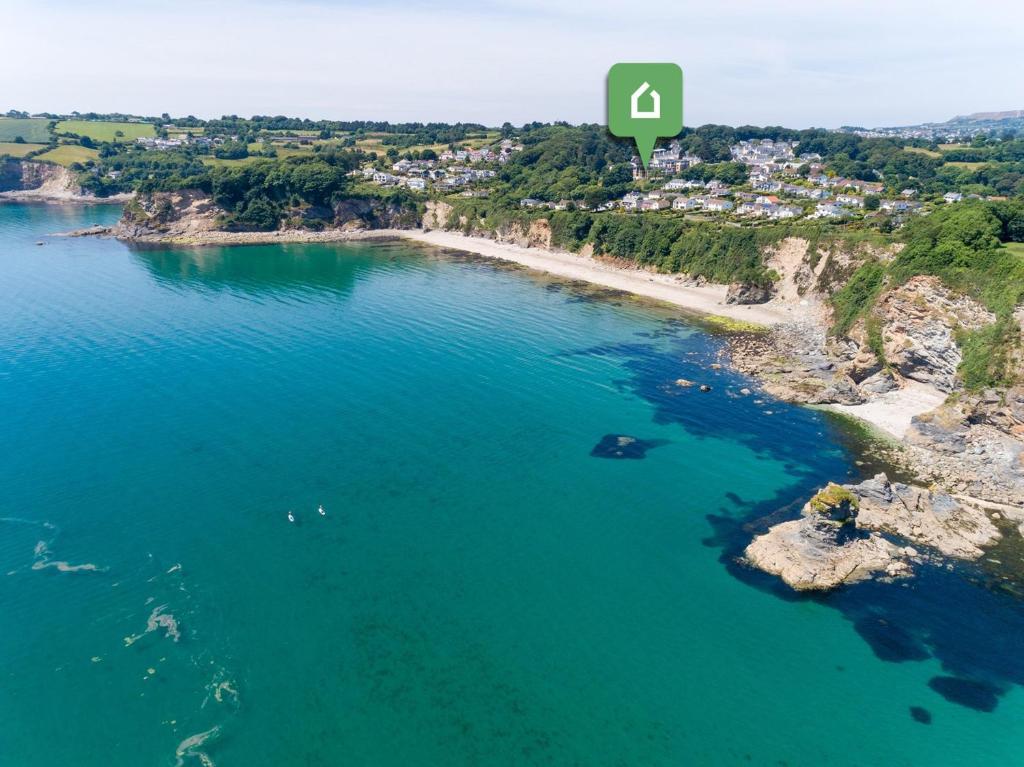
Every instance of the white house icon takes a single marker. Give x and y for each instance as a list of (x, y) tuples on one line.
[(634, 104)]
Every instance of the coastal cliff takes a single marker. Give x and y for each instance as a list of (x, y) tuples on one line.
[(44, 182), (192, 216)]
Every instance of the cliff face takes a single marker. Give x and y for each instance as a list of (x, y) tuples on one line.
[(184, 214), (192, 215), (24, 178)]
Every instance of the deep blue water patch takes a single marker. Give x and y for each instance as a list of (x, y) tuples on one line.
[(625, 446), (920, 715), (981, 696)]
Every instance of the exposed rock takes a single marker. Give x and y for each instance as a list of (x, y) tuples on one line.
[(191, 216), (747, 293), (42, 181), (839, 538), (926, 517), (436, 215), (684, 383), (881, 382), (823, 549), (919, 320), (840, 389), (974, 459)]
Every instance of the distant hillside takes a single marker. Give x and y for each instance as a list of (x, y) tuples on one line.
[(989, 116), (959, 127)]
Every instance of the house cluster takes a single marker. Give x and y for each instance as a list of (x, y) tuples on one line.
[(166, 144), (764, 152), (449, 173), (419, 174), (501, 153), (774, 190), (670, 159)]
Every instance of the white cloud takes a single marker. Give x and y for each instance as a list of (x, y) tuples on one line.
[(791, 63)]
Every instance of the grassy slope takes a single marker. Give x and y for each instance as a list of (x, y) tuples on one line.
[(18, 150), (69, 153), (105, 131)]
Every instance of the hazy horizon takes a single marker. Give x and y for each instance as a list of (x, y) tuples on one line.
[(784, 63)]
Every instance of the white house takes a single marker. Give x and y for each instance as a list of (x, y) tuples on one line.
[(952, 197), (850, 200)]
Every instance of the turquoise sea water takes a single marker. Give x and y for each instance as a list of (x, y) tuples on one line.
[(482, 590)]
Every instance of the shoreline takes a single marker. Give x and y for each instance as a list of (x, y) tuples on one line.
[(706, 299), (670, 289), (52, 198), (888, 416)]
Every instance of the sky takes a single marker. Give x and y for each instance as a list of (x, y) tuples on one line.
[(799, 64)]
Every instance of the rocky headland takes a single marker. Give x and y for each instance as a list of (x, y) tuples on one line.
[(875, 529)]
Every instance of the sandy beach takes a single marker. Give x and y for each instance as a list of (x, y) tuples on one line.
[(705, 299), (893, 411)]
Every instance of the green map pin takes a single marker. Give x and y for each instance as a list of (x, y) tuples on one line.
[(645, 101)]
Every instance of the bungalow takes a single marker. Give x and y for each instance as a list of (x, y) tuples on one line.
[(952, 197), (530, 202), (717, 204), (676, 183), (829, 210), (788, 211), (850, 200), (656, 203), (384, 179), (631, 200), (416, 183)]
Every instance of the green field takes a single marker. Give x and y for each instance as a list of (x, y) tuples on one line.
[(30, 129), (966, 165), (922, 150), (18, 150), (67, 154), (106, 131)]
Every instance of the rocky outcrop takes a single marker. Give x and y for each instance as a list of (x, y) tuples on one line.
[(924, 517), (919, 322), (972, 448), (436, 215), (373, 213), (747, 293), (28, 180), (824, 548), (853, 532), (187, 214), (191, 216)]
